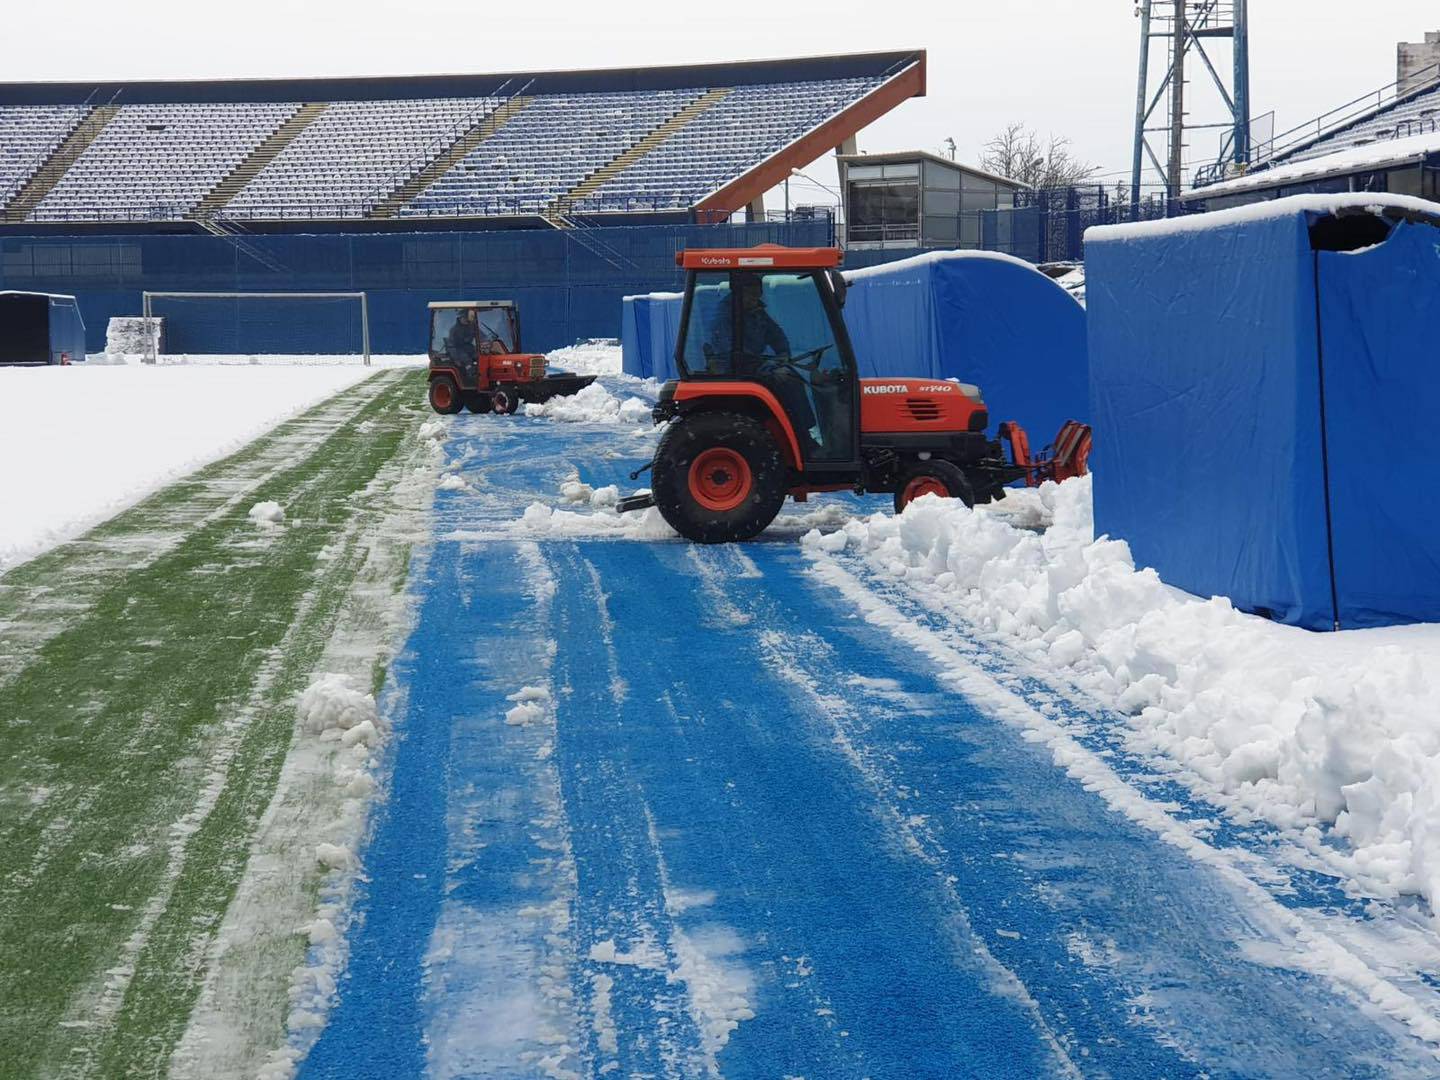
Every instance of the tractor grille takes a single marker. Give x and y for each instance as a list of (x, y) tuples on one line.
[(922, 409)]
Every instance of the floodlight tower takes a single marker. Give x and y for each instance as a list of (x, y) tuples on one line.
[(1184, 26)]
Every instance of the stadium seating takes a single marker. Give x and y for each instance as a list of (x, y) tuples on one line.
[(548, 148), (1414, 116), (743, 130), (28, 135), (155, 162), (534, 152), (355, 154)]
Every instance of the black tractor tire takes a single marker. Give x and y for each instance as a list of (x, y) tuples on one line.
[(505, 401), (444, 396), (718, 477), (936, 477), (478, 403)]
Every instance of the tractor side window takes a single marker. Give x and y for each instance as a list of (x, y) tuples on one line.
[(709, 333), (442, 321)]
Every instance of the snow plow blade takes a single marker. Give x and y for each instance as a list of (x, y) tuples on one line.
[(561, 384), (642, 501)]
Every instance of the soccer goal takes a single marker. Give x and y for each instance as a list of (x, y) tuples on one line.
[(252, 324)]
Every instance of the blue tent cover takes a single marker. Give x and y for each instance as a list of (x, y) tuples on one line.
[(1263, 388)]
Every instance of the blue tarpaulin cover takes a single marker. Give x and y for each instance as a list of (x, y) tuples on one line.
[(649, 329), (981, 317), (1262, 408)]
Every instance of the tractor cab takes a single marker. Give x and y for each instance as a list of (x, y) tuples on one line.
[(476, 362), (769, 403), (771, 317)]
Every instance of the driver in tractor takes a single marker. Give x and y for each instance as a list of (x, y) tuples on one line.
[(764, 349), (460, 341)]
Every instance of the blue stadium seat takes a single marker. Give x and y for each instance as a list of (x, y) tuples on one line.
[(28, 135)]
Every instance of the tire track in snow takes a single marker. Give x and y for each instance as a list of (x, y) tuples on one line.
[(1301, 869), (1307, 948)]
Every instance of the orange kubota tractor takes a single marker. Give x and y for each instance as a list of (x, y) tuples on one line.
[(476, 362), (769, 403)]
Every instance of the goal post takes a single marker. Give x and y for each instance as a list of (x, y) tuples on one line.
[(255, 303)]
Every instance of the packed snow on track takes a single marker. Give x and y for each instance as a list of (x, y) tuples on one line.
[(83, 442), (662, 809)]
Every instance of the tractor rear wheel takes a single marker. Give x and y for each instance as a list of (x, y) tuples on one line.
[(478, 403), (444, 398), (504, 401), (933, 477), (718, 477)]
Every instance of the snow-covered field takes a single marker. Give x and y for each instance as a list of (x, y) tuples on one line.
[(81, 443)]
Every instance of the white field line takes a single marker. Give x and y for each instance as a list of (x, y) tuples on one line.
[(1313, 951)]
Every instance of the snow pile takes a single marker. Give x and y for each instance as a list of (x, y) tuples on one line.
[(82, 443), (127, 334), (592, 405), (331, 704), (265, 514), (1300, 729), (1074, 283), (540, 520), (531, 705), (598, 356)]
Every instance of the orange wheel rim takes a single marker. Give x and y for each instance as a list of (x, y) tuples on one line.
[(442, 396), (924, 485), (720, 479)]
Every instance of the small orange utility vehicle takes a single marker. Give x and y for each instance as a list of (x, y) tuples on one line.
[(476, 362), (769, 404)]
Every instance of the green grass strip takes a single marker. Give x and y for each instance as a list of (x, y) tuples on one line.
[(109, 735)]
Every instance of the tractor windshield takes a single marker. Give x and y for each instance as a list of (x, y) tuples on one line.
[(497, 331), (775, 329)]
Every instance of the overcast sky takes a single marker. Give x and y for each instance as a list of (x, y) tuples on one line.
[(1062, 66)]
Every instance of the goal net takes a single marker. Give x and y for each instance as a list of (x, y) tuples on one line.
[(247, 325)]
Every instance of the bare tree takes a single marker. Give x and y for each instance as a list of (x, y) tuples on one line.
[(1017, 153)]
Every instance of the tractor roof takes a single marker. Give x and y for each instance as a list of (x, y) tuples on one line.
[(761, 257), (472, 303)]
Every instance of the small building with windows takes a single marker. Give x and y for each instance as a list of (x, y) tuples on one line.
[(913, 199)]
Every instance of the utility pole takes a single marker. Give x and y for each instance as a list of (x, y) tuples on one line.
[(1185, 26), (1178, 41)]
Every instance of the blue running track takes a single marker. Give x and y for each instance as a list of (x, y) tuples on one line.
[(658, 810)]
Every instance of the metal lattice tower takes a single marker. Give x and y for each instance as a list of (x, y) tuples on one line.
[(1184, 26)]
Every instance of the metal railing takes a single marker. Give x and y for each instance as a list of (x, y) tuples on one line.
[(1327, 123)]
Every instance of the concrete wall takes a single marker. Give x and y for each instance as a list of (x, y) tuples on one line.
[(1414, 57)]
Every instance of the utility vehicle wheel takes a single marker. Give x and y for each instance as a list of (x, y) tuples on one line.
[(504, 402), (718, 477), (932, 477), (478, 403), (444, 398)]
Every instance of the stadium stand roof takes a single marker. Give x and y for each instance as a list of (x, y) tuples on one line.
[(694, 140)]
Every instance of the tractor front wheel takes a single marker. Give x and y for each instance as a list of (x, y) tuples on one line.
[(444, 398), (933, 477), (718, 477), (504, 401)]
